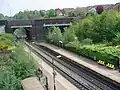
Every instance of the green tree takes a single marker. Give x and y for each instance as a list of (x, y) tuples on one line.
[(116, 40), (8, 80), (69, 35), (56, 35), (42, 13), (51, 13), (24, 66), (71, 14), (99, 28), (1, 16)]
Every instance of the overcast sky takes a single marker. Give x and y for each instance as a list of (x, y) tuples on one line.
[(10, 7)]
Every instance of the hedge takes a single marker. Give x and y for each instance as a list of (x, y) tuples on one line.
[(98, 52)]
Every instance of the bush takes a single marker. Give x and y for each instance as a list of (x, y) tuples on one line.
[(87, 41), (103, 27), (97, 52), (55, 35), (16, 68), (69, 36), (8, 80), (3, 48), (99, 28), (116, 40), (7, 39), (73, 46), (24, 66), (106, 54)]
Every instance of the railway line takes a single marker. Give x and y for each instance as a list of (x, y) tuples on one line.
[(76, 74)]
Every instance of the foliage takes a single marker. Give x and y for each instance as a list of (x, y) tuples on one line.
[(116, 40), (87, 41), (3, 48), (16, 68), (82, 29), (23, 66), (79, 12), (99, 28), (102, 52), (8, 80), (29, 15), (108, 54), (7, 39), (91, 12), (1, 16), (51, 13), (73, 46), (56, 35), (71, 14), (69, 36)]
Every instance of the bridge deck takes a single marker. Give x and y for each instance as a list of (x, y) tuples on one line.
[(112, 74)]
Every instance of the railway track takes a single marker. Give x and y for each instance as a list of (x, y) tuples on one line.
[(100, 83), (76, 74), (63, 73)]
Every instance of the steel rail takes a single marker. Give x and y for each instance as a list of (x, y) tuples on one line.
[(75, 82), (89, 76)]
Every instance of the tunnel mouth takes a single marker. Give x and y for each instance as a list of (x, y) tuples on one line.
[(28, 34)]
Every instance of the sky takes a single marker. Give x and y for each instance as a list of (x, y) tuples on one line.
[(10, 7)]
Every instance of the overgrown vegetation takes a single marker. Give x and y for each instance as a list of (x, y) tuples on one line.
[(15, 66), (6, 39), (96, 37)]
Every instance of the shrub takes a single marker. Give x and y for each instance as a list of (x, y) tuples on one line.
[(108, 54), (69, 36), (8, 80), (16, 68), (99, 28), (87, 41), (73, 46), (56, 35), (83, 28), (24, 66), (3, 48), (7, 39), (116, 40)]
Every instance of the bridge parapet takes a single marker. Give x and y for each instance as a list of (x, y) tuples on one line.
[(58, 21), (19, 22)]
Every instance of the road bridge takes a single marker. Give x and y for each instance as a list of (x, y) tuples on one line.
[(36, 29)]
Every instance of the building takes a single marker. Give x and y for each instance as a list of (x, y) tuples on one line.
[(60, 12), (116, 7)]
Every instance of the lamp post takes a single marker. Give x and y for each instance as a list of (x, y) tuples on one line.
[(54, 73)]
